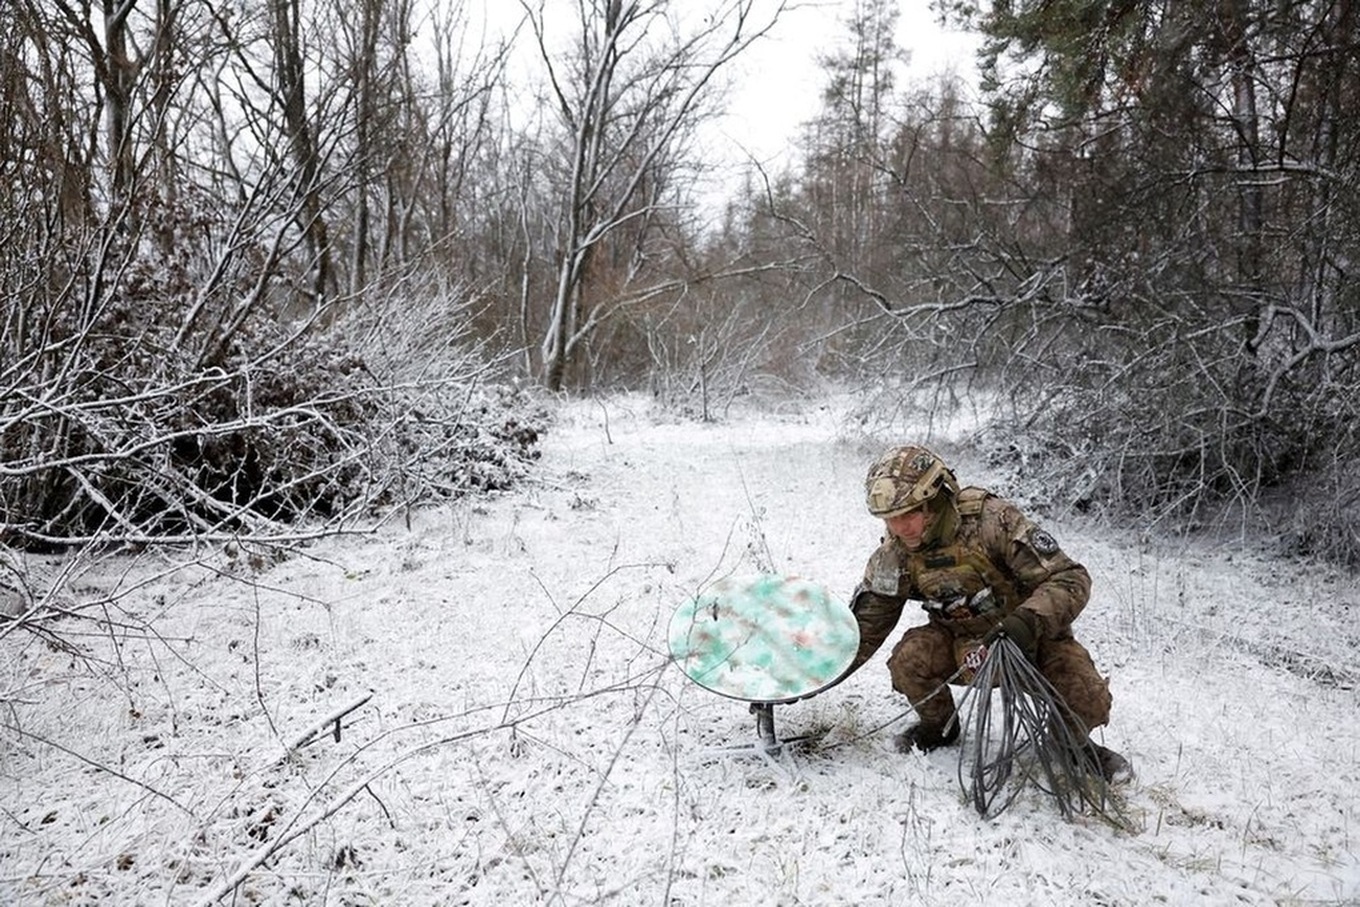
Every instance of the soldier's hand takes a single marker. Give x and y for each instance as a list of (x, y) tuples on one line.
[(1020, 627)]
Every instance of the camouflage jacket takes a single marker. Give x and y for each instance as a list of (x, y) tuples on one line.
[(994, 562)]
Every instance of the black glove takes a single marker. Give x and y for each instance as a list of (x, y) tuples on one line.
[(1020, 627)]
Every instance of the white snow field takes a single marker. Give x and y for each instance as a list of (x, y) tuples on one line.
[(515, 732)]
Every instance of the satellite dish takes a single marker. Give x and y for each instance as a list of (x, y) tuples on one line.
[(766, 640)]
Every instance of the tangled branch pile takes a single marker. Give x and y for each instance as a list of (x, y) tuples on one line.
[(1192, 414), (127, 414)]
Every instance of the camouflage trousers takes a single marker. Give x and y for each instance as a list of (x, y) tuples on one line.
[(925, 658)]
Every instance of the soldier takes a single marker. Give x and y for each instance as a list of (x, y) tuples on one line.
[(982, 570)]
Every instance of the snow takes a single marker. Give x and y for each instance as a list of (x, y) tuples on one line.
[(528, 741)]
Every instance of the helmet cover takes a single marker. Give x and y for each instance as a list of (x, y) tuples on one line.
[(904, 479)]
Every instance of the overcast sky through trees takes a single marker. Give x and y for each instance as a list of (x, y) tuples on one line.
[(781, 81), (777, 84)]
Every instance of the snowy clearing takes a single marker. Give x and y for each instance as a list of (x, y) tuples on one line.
[(515, 733)]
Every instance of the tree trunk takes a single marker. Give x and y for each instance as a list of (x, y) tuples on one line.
[(292, 97)]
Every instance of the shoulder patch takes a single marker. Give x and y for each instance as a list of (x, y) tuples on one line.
[(884, 572), (1043, 544)]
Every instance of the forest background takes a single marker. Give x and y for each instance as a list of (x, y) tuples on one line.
[(269, 267), (276, 271)]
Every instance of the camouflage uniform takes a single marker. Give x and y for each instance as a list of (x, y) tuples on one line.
[(981, 561)]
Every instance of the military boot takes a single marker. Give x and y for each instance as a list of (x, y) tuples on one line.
[(1114, 768), (927, 737)]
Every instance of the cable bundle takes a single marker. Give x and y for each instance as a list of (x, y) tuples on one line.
[(1031, 738)]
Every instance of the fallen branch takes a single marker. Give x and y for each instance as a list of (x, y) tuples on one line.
[(297, 827)]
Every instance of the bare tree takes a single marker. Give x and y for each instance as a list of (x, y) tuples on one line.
[(286, 37), (626, 96), (175, 360)]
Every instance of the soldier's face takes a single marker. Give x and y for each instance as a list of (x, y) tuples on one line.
[(910, 527)]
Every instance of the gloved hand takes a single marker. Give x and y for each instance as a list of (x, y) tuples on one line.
[(1020, 627)]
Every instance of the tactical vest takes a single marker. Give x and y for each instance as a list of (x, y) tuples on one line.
[(962, 588)]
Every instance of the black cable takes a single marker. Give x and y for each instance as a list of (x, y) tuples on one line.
[(1037, 740)]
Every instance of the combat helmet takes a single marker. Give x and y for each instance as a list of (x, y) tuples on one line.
[(905, 478)]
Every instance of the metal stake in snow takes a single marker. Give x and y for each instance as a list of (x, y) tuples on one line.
[(767, 640), (331, 722)]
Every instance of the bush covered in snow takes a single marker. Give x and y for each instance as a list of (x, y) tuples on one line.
[(137, 412)]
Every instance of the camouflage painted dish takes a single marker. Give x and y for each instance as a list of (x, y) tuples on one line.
[(764, 639)]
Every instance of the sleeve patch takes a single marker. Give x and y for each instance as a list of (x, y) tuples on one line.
[(1043, 544), (884, 572)]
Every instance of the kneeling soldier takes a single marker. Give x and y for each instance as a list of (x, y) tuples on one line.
[(982, 570)]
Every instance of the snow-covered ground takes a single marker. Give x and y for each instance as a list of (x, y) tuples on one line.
[(519, 735)]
